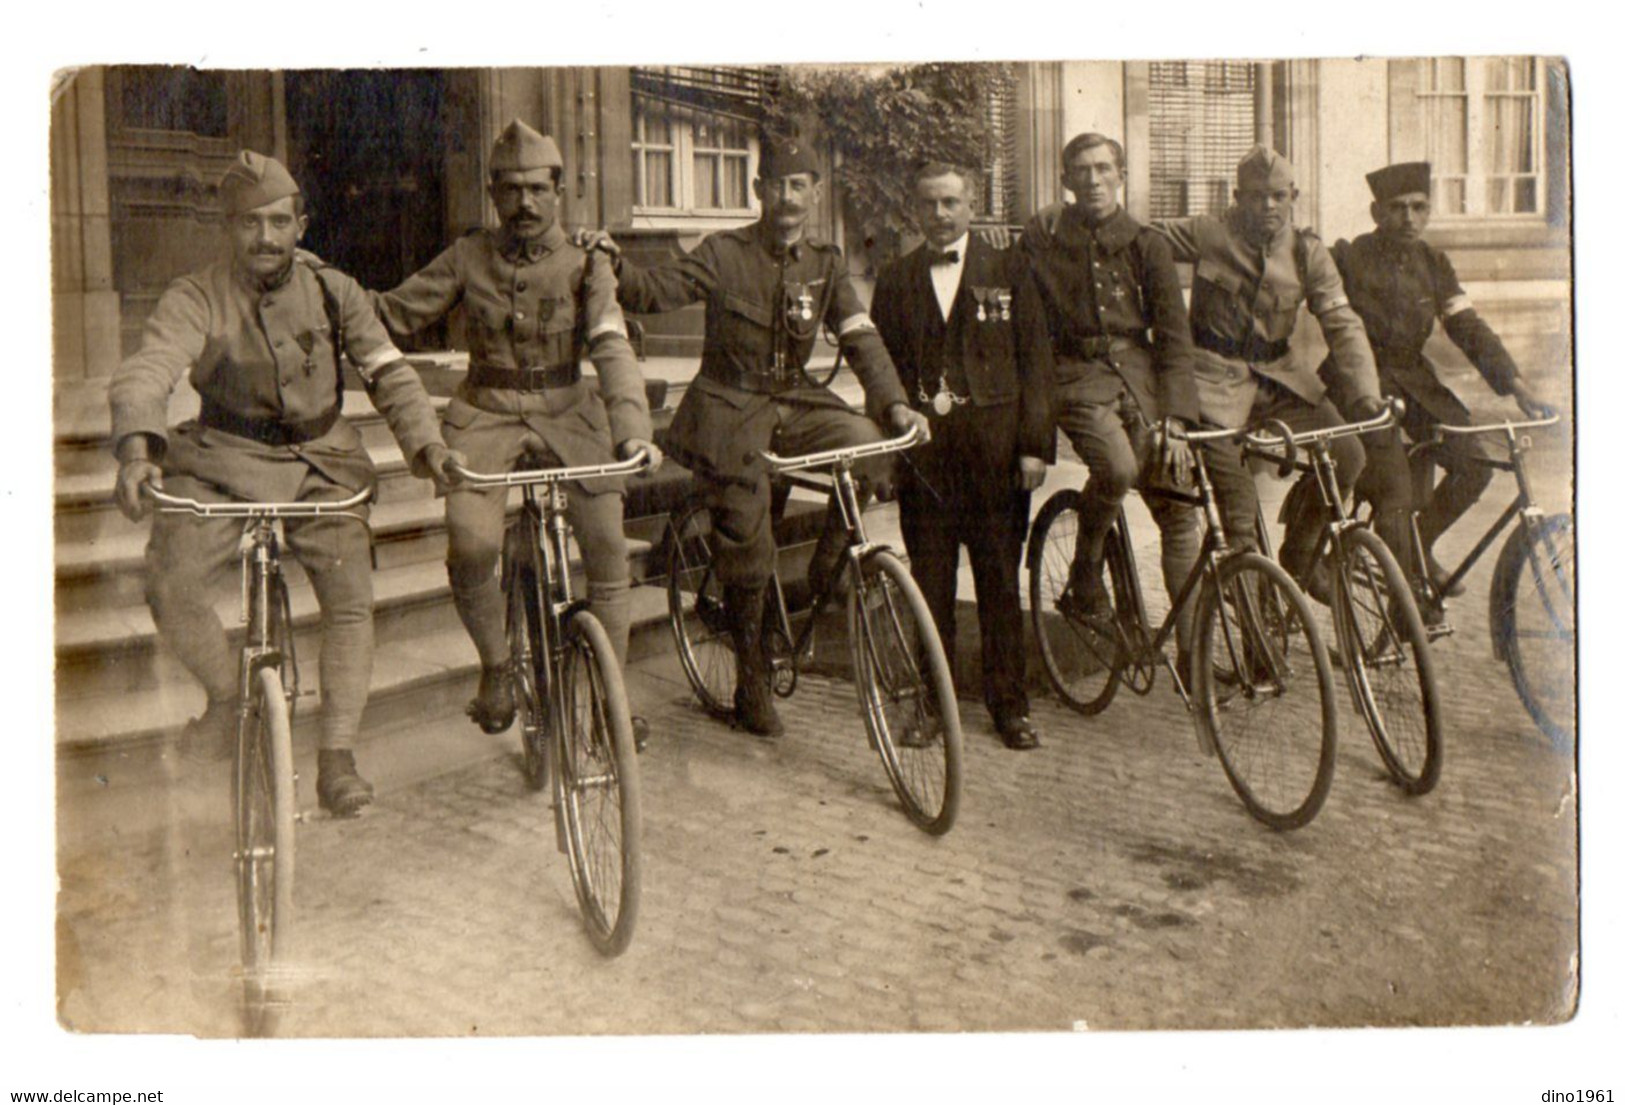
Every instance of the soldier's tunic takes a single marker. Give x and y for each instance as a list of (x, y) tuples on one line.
[(265, 363), (1244, 308), (534, 309), (1123, 361), (1399, 289), (764, 305)]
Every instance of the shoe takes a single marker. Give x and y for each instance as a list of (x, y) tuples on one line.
[(340, 789), (754, 711), (1439, 577), (493, 709), (640, 732), (753, 694), (1018, 734), (1086, 598), (1432, 613), (209, 739)]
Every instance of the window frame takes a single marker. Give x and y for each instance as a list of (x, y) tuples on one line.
[(1479, 137), (685, 148)]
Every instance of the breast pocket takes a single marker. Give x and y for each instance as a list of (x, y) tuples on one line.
[(490, 317), (748, 310)]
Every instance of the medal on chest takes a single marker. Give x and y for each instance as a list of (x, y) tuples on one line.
[(942, 402)]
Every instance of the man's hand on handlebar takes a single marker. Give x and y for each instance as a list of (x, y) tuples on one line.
[(903, 417), (1173, 452), (133, 475), (1530, 402), (442, 464), (629, 448), (1366, 407)]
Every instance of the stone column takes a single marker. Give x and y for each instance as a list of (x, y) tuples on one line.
[(84, 304)]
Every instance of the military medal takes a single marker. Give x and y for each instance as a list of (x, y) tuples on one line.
[(805, 300), (981, 303), (1003, 295), (942, 402), (307, 342)]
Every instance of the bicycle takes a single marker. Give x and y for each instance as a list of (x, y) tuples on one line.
[(1261, 684), (1533, 587), (263, 777), (572, 702), (905, 689), (1382, 642)]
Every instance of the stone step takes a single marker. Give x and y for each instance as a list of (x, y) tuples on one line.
[(413, 677)]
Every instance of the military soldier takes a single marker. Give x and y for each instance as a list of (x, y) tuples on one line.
[(1398, 284), (1122, 361), (1253, 270), (767, 289), (965, 327), (260, 333), (536, 304)]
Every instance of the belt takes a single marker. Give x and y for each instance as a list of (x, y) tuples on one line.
[(1102, 345), (524, 379), (266, 431), (1251, 350), (761, 383)]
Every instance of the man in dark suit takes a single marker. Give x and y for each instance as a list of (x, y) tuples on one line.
[(965, 328)]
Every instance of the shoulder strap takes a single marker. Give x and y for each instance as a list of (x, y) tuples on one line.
[(335, 324), (583, 296), (1300, 256)]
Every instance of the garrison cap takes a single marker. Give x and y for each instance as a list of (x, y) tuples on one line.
[(1263, 169), (787, 156), (521, 147), (254, 180), (1401, 180)]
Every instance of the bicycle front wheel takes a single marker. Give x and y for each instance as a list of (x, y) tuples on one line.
[(695, 609), (263, 799), (906, 691), (1532, 614), (1084, 662), (1263, 690), (525, 647), (596, 786), (1387, 661)]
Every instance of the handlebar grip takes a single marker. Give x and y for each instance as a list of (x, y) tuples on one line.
[(1289, 448)]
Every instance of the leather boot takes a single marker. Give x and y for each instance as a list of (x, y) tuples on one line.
[(493, 708), (340, 789), (827, 559), (211, 737), (753, 696)]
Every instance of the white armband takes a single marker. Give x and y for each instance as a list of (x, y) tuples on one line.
[(1455, 305), (854, 324)]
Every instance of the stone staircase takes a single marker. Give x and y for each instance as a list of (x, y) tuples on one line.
[(119, 689)]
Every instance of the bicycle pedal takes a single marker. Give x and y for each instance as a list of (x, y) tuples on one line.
[(1443, 629)]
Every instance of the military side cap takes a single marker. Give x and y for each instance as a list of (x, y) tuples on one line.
[(1263, 170), (1401, 180), (254, 180), (520, 148), (784, 158)]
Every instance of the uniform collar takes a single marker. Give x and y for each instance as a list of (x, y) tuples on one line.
[(1237, 222), (257, 286), (769, 241), (1113, 232), (530, 249)]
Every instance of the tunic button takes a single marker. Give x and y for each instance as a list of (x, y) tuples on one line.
[(520, 286), (277, 343), (519, 316)]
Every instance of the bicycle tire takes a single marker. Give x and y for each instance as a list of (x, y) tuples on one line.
[(263, 800), (1256, 638), (1533, 597), (906, 691), (696, 611), (522, 586), (1083, 664), (596, 786), (1387, 662)]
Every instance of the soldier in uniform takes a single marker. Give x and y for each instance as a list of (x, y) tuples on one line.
[(767, 289), (965, 328), (1253, 270), (260, 334), (1398, 284), (1123, 372), (536, 304)]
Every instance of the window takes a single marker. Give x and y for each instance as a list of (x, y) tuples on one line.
[(1479, 121), (686, 160), (1203, 119)]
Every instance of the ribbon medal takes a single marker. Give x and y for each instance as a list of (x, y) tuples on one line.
[(942, 402), (1003, 296)]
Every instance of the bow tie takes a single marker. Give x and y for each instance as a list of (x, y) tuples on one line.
[(945, 257)]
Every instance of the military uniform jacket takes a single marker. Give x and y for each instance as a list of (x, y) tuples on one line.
[(1244, 308), (540, 304), (760, 300), (1116, 280), (1398, 289), (266, 355), (995, 336)]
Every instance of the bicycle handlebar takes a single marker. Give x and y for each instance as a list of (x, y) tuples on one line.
[(1281, 436), (633, 464), (174, 504), (1499, 427), (836, 456)]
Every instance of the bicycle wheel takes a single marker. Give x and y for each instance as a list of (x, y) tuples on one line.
[(1084, 662), (263, 798), (525, 647), (1387, 661), (906, 691), (698, 617), (1263, 690), (1532, 614), (595, 784)]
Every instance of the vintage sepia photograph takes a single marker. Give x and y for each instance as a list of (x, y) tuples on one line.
[(895, 547)]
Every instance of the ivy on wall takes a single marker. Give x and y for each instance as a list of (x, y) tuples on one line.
[(882, 124)]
